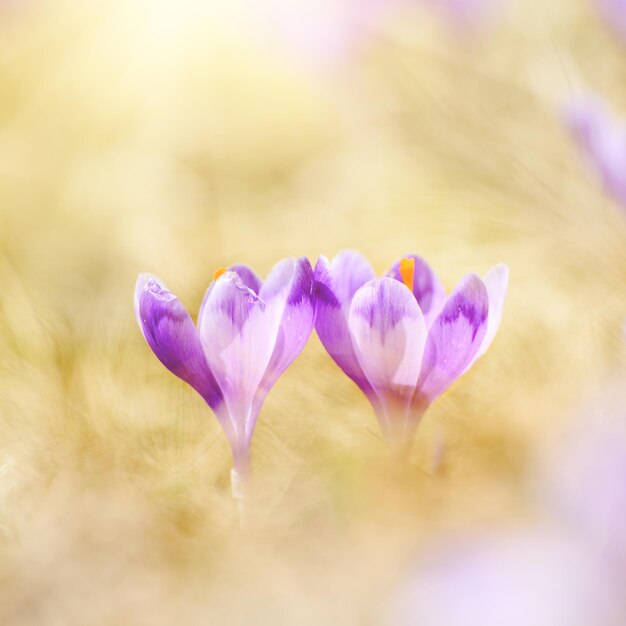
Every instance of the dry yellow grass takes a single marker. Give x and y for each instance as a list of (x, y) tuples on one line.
[(171, 138)]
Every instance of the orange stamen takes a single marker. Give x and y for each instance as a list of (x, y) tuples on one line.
[(218, 272), (407, 271)]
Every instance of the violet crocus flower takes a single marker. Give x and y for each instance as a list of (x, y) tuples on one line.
[(248, 333), (602, 137), (399, 338)]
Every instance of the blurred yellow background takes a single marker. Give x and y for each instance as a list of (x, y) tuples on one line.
[(177, 137)]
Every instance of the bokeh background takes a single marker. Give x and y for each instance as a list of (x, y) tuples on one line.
[(177, 137)]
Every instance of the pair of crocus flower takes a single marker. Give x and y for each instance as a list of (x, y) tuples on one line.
[(399, 338)]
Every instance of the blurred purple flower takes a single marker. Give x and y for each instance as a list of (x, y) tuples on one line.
[(398, 337), (323, 33), (602, 137), (468, 13), (537, 576), (565, 567), (586, 482), (248, 333), (614, 14)]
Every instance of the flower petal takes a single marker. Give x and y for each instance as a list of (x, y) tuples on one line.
[(331, 325), (248, 276), (388, 330), (350, 271), (290, 286), (496, 280), (454, 338), (278, 281), (427, 289), (172, 336), (238, 332)]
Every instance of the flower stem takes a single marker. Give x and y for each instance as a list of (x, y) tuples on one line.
[(239, 489)]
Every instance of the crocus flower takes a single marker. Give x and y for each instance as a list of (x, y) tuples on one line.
[(248, 333), (399, 338), (602, 137)]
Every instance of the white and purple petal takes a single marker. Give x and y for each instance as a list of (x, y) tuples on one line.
[(238, 333), (496, 281), (172, 336), (290, 286), (427, 288), (331, 322), (248, 276), (389, 333), (350, 270), (454, 339)]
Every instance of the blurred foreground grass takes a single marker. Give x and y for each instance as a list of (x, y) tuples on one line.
[(175, 138)]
